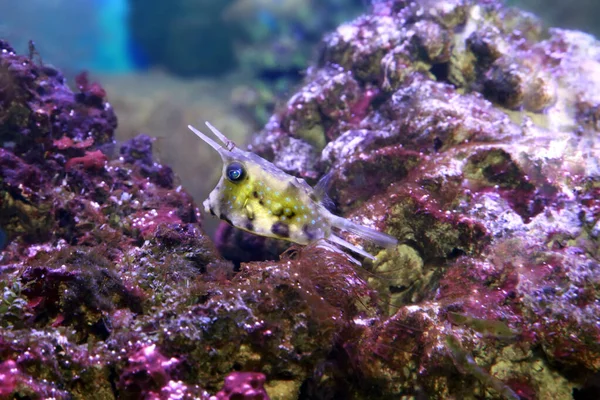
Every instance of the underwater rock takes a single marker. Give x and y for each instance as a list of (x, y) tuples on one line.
[(476, 146), (243, 385), (111, 289), (470, 133), (73, 221)]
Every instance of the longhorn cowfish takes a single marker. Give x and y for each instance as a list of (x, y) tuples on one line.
[(256, 196)]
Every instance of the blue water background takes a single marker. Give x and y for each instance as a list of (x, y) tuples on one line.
[(93, 35), (74, 35)]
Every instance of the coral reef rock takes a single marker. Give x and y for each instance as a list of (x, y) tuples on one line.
[(461, 127), (470, 132)]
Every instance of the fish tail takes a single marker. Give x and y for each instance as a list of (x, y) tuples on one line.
[(338, 240), (373, 236)]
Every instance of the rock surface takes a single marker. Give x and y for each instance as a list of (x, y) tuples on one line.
[(469, 132), (462, 128)]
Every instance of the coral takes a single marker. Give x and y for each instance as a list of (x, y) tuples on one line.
[(147, 371), (463, 128), (75, 219), (243, 386), (110, 287), (467, 154)]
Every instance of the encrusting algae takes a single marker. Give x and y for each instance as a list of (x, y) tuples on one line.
[(256, 196)]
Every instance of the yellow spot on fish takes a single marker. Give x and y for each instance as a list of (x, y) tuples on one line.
[(276, 208), (249, 211)]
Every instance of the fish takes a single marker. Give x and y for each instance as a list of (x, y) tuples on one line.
[(256, 196), (489, 327)]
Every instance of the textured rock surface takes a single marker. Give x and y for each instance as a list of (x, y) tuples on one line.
[(462, 128), (93, 245), (469, 132), (110, 288)]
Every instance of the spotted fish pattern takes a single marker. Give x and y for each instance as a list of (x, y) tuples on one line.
[(254, 195)]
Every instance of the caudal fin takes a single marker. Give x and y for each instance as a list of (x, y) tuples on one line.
[(373, 236), (338, 240)]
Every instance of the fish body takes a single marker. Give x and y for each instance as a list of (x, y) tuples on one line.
[(256, 196)]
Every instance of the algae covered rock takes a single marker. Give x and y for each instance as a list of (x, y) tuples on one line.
[(461, 127), (470, 137), (111, 289)]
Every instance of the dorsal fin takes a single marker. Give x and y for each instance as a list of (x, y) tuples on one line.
[(379, 238), (336, 239), (321, 188)]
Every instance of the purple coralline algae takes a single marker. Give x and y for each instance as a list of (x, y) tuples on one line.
[(463, 128), (468, 131), (243, 386)]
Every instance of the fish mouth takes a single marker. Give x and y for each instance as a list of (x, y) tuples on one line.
[(207, 208)]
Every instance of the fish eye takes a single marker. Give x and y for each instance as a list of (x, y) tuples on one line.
[(235, 172)]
